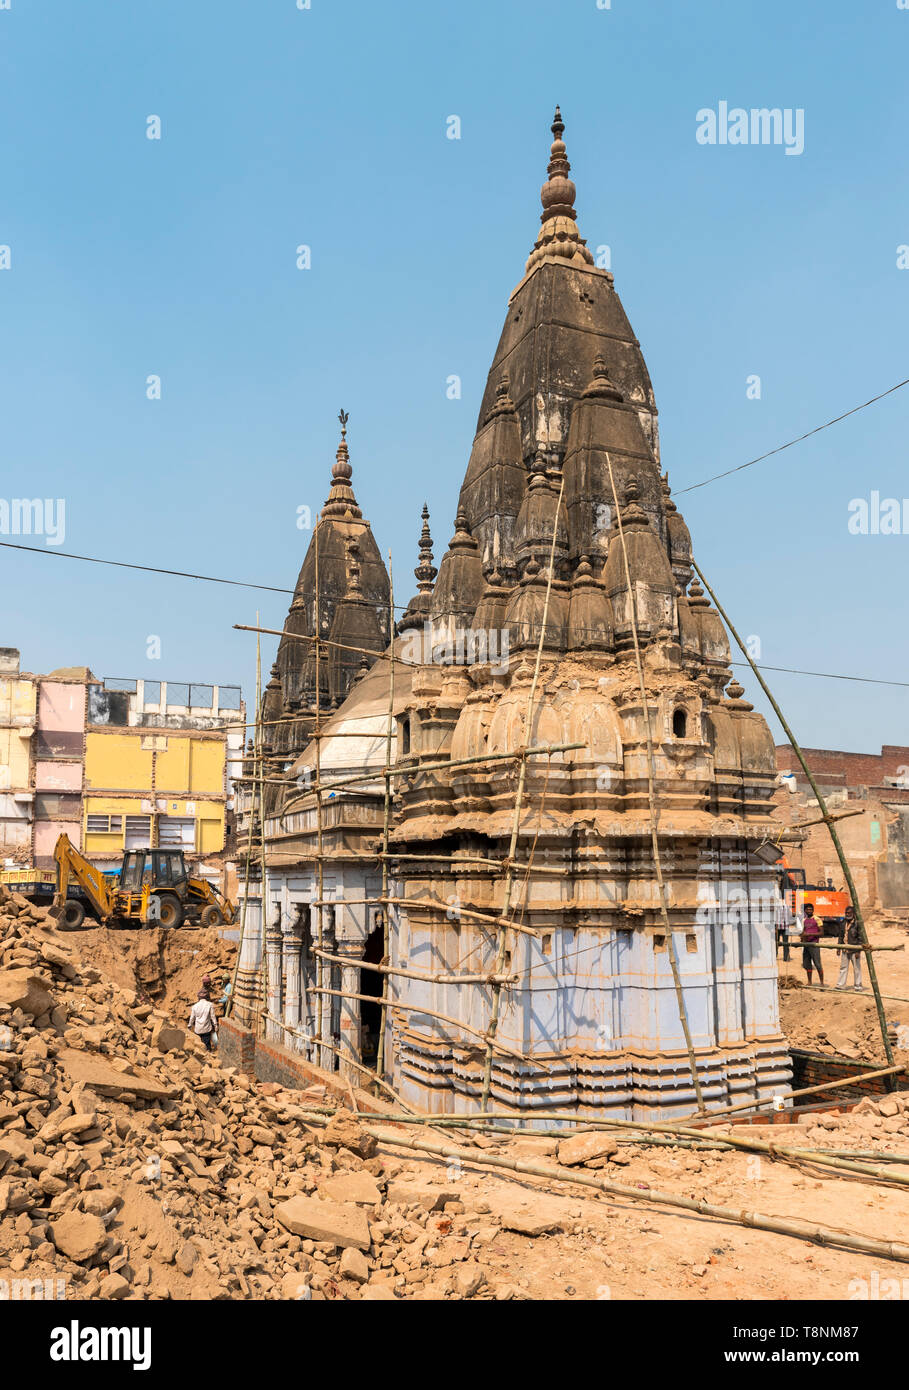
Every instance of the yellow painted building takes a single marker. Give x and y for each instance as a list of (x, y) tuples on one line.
[(157, 787)]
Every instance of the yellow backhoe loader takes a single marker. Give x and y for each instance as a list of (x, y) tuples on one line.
[(152, 889)]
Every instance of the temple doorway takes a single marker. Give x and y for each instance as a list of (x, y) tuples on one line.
[(371, 983)]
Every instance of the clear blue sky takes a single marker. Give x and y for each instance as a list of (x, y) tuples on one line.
[(327, 126)]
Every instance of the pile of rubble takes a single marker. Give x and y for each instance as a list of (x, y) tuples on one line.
[(133, 1166)]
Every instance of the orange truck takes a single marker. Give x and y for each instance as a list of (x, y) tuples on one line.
[(829, 903)]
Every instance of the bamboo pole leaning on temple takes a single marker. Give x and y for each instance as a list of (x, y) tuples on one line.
[(430, 1013), (358, 1066), (805, 1091), (502, 929), (415, 974), (320, 868), (652, 803), (825, 815), (386, 826), (249, 825)]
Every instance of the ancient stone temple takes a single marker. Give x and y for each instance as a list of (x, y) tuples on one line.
[(592, 1017), (533, 873), (279, 969), (357, 617)]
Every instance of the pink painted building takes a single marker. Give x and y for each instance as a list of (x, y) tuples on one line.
[(59, 755)]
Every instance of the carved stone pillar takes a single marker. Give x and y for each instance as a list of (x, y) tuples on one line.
[(350, 1013), (273, 944), (292, 945)]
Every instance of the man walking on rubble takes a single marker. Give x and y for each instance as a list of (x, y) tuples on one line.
[(202, 1019), (849, 935)]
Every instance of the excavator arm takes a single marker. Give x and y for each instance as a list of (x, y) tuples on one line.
[(200, 888), (74, 867)]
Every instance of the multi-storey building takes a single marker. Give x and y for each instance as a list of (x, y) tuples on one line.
[(117, 764)]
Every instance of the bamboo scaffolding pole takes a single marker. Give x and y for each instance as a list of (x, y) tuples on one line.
[(236, 971), (806, 1091), (325, 641), (414, 974), (320, 867), (260, 763), (312, 1041), (837, 989), (706, 1145), (732, 1141), (651, 799), (386, 827), (500, 922), (502, 938), (841, 946), (825, 814), (430, 1013), (822, 820), (425, 902), (802, 1230), (453, 857), (417, 769)]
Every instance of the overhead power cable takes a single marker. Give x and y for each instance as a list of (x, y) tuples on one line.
[(274, 589), (149, 569), (826, 675), (807, 435)]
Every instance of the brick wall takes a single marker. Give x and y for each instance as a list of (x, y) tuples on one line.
[(236, 1046), (813, 1069), (849, 769), (268, 1061)]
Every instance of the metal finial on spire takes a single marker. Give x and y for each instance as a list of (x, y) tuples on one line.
[(558, 125), (342, 470)]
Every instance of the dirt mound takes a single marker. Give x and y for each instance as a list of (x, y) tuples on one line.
[(163, 966), (840, 1022)]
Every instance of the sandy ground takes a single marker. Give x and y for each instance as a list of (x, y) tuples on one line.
[(615, 1248), (164, 967)]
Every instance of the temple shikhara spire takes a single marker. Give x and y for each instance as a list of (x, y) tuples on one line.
[(559, 235), (604, 888)]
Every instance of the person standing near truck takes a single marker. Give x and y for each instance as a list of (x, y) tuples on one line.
[(811, 951), (849, 935)]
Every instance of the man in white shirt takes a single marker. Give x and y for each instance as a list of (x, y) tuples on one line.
[(202, 1019)]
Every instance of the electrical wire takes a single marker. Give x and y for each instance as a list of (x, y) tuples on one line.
[(807, 435)]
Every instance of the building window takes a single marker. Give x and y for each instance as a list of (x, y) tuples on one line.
[(679, 723), (104, 825), (405, 737), (138, 832), (177, 832)]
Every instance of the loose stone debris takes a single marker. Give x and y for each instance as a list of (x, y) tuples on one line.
[(133, 1166)]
